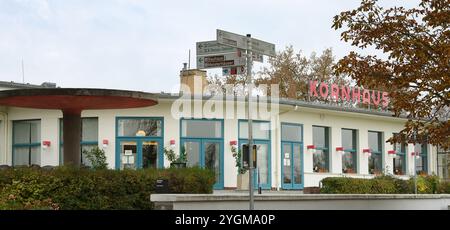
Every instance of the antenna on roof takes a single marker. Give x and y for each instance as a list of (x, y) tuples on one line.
[(23, 73)]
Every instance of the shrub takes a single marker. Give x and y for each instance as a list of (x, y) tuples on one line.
[(96, 157), (78, 188)]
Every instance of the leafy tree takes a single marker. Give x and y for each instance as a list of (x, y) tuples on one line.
[(96, 157), (415, 71)]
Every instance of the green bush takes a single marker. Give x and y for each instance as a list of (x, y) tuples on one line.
[(377, 185), (74, 188), (384, 185)]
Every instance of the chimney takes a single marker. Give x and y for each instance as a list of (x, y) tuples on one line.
[(193, 81)]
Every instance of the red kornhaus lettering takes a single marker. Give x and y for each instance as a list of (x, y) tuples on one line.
[(335, 92), (366, 97), (323, 94), (385, 99), (349, 94), (345, 93), (313, 88), (376, 100), (356, 95)]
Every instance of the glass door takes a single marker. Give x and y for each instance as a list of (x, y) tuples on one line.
[(205, 153), (139, 153), (291, 168)]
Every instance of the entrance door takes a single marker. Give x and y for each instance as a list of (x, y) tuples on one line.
[(139, 153), (205, 153), (291, 168)]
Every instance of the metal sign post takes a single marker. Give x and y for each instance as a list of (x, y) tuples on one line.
[(250, 123), (251, 46)]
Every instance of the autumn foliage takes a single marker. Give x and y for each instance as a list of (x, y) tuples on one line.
[(415, 67)]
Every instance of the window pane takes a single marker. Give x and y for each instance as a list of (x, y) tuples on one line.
[(35, 155), (21, 133), (192, 153), (375, 141), (287, 170), (348, 139), (212, 158), (84, 159), (399, 164), (375, 164), (262, 162), (261, 130), (320, 161), (89, 129), (320, 137), (128, 154), (21, 156), (150, 154), (349, 162), (291, 133), (35, 131), (297, 164), (201, 128), (139, 127)]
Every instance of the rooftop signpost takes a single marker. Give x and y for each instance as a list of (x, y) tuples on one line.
[(250, 45)]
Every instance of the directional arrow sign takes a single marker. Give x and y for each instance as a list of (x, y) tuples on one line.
[(217, 61), (213, 47), (239, 41)]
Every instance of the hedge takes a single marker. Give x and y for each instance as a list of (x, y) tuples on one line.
[(75, 188), (383, 185)]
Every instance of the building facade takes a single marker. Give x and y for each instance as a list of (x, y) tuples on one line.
[(296, 148)]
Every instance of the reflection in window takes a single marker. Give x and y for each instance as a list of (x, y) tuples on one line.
[(321, 155), (26, 142), (399, 161), (375, 159), (132, 127), (422, 159), (349, 156)]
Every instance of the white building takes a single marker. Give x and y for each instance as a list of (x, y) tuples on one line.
[(307, 142)]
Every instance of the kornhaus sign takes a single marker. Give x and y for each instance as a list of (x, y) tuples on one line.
[(354, 94)]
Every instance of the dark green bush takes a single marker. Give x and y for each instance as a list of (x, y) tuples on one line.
[(377, 185), (384, 185), (74, 188)]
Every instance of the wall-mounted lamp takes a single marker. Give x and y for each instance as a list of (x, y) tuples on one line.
[(415, 154), (105, 143), (392, 153), (369, 153), (46, 144), (340, 150), (311, 148)]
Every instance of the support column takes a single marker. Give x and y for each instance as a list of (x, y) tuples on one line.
[(72, 137)]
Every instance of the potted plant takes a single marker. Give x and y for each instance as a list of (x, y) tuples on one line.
[(176, 161), (242, 176)]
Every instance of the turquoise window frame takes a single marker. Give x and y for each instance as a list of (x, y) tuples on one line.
[(139, 140), (201, 141), (380, 153), (82, 143), (22, 145), (354, 149), (292, 185), (242, 141), (325, 149)]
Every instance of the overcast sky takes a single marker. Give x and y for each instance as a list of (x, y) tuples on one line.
[(141, 45)]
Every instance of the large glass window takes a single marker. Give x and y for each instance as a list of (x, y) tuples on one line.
[(26, 146), (201, 128), (422, 159), (349, 162), (261, 136), (89, 138), (139, 127), (376, 152), (202, 141), (321, 155)]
